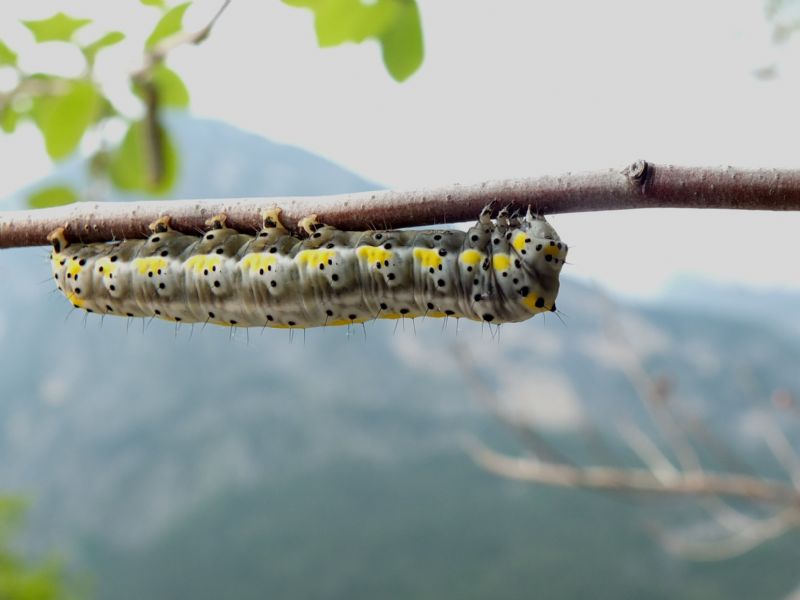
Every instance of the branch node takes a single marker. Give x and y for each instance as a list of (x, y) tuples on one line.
[(636, 171)]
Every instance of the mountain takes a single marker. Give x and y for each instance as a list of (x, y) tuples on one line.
[(776, 307), (208, 463)]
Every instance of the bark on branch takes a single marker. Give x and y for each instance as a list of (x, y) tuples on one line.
[(639, 185)]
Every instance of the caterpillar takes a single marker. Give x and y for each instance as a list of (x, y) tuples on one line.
[(498, 272)]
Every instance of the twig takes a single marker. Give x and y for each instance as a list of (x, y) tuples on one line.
[(794, 594), (154, 138), (143, 77), (641, 185), (635, 480), (653, 395), (160, 51), (724, 455), (647, 451), (782, 449), (528, 435), (741, 541), (31, 88)]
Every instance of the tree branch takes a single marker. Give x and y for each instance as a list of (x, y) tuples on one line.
[(635, 480), (640, 185)]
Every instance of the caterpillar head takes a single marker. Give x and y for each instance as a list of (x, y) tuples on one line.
[(541, 254)]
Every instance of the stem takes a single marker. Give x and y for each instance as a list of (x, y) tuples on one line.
[(154, 142), (640, 185), (167, 45)]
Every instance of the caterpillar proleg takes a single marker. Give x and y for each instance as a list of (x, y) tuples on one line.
[(499, 272)]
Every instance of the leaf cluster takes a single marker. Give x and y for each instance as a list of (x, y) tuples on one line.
[(21, 579), (395, 24), (66, 110)]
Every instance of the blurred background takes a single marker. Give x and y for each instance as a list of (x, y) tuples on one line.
[(156, 462)]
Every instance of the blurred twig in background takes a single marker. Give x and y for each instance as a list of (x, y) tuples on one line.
[(744, 508)]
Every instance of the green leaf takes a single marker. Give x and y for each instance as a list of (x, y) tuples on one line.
[(171, 90), (8, 119), (133, 166), (58, 28), (109, 39), (349, 20), (394, 23), (402, 44), (63, 119), (169, 24), (11, 512), (156, 3), (105, 109), (7, 56), (52, 196), (339, 21)]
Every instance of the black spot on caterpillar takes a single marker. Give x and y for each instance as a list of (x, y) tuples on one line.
[(495, 272)]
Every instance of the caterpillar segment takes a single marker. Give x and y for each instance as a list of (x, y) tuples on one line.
[(499, 272)]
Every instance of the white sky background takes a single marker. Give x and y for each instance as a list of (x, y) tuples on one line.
[(508, 88)]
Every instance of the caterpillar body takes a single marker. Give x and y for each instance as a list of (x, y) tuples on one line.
[(500, 272)]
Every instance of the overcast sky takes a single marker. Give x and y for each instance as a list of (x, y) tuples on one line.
[(509, 88)]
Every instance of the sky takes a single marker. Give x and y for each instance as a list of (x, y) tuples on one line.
[(508, 88)]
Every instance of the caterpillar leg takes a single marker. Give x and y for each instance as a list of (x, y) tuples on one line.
[(531, 217), (485, 217), (271, 219), (318, 233), (503, 218), (217, 221), (272, 232), (310, 224), (160, 225), (58, 239)]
